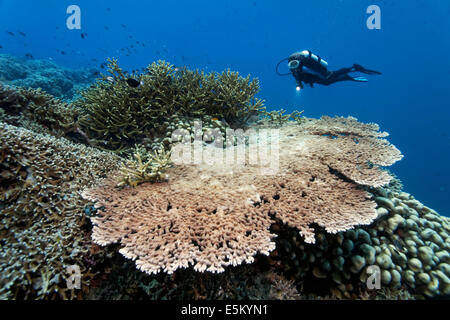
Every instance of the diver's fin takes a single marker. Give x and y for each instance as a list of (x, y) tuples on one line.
[(360, 68), (360, 79)]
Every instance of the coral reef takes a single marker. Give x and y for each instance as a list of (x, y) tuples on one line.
[(43, 228), (210, 220), (58, 81), (36, 110), (311, 226), (117, 115)]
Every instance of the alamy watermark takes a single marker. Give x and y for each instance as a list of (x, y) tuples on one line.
[(250, 147), (74, 279), (374, 277), (374, 20), (74, 20)]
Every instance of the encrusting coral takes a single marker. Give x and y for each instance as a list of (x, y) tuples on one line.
[(210, 219), (116, 115), (41, 214)]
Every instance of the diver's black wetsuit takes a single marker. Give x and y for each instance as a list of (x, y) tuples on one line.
[(309, 68)]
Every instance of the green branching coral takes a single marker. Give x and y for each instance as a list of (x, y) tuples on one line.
[(279, 117), (116, 115), (145, 166), (297, 116)]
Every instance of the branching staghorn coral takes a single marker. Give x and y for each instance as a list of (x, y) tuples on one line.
[(116, 115), (214, 215), (145, 166), (278, 118)]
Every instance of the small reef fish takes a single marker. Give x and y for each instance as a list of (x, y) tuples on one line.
[(1, 47), (22, 34), (10, 33), (178, 68), (29, 56), (83, 35), (133, 82)]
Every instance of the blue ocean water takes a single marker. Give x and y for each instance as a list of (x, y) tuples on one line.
[(410, 100)]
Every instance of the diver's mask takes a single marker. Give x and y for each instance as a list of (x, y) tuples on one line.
[(293, 64)]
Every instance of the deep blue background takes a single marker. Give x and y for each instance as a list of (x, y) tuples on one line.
[(410, 100)]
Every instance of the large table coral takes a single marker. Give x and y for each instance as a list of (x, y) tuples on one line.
[(215, 215)]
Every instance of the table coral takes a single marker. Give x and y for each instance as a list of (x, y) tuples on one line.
[(212, 220)]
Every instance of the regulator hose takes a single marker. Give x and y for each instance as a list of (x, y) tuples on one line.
[(276, 69)]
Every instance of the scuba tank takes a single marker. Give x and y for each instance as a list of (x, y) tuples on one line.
[(308, 54), (311, 62)]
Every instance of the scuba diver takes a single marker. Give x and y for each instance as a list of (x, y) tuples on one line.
[(309, 68)]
